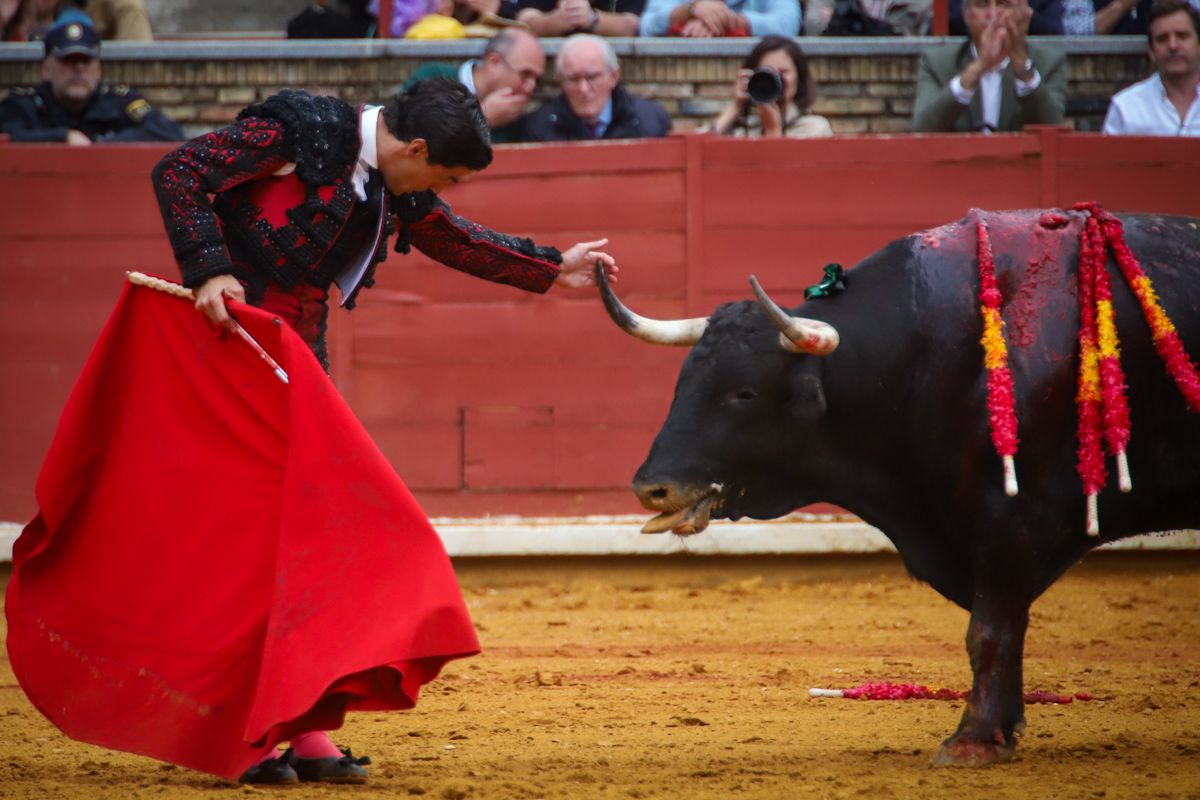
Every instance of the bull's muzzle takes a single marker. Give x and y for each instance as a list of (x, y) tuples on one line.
[(685, 510)]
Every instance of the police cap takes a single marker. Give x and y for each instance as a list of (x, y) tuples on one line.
[(72, 37)]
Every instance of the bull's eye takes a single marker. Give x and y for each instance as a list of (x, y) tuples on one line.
[(743, 397)]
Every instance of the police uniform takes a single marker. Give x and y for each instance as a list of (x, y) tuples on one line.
[(116, 113)]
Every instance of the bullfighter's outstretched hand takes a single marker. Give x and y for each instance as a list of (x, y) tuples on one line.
[(577, 264)]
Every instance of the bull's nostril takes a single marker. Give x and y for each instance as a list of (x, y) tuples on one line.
[(658, 494)]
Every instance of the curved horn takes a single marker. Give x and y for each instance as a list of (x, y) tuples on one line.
[(682, 332), (798, 334)]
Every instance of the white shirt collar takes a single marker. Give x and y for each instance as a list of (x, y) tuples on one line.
[(368, 155), (466, 75)]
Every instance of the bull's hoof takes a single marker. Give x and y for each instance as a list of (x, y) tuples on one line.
[(966, 753)]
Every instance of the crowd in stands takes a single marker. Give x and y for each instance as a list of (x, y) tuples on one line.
[(996, 79), (715, 18)]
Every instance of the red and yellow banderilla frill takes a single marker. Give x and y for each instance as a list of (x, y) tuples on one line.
[(1001, 403)]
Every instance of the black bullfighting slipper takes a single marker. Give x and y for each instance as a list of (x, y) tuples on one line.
[(343, 769), (272, 772)]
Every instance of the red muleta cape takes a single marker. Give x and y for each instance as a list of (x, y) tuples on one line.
[(220, 560)]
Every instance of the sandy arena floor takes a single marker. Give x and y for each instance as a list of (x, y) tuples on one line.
[(688, 676)]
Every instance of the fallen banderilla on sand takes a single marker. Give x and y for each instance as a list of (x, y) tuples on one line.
[(884, 690), (158, 284)]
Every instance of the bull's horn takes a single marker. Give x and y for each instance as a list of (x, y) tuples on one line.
[(682, 332), (798, 334)]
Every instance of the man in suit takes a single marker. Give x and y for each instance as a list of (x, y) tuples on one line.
[(593, 104), (504, 79), (996, 80)]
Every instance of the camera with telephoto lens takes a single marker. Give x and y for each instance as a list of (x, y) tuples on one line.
[(764, 85)]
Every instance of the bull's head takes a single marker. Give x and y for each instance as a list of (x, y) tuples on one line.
[(721, 437)]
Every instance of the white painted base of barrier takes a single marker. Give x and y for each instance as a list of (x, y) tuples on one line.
[(603, 536)]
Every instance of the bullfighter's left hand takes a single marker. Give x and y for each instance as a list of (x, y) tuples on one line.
[(579, 261)]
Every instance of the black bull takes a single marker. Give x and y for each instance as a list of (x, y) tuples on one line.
[(893, 425)]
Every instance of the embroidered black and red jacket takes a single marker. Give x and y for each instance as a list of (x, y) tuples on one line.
[(233, 204)]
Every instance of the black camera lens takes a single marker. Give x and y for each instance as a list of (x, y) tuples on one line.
[(764, 86)]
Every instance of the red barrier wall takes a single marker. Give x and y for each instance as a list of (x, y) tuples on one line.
[(490, 400)]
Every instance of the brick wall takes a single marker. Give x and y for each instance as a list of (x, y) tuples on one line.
[(865, 85)]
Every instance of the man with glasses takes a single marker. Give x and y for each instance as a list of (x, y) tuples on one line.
[(996, 80), (593, 104), (503, 78)]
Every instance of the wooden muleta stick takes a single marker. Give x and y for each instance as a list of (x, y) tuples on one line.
[(160, 285)]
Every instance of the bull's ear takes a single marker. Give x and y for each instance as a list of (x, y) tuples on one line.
[(808, 398)]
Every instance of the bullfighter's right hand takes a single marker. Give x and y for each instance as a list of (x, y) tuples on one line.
[(210, 298)]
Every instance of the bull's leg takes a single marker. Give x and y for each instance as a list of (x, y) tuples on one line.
[(995, 712)]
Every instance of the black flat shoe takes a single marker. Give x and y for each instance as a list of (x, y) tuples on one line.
[(272, 772), (343, 769)]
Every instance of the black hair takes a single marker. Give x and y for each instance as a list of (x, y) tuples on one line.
[(1164, 7), (447, 117), (806, 89)]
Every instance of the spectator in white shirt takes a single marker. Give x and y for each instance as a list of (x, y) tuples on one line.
[(1168, 102)]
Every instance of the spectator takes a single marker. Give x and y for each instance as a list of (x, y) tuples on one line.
[(73, 105), (564, 17), (707, 18), (503, 79), (406, 13), (1168, 102), (788, 115), (1047, 19), (119, 19), (867, 17), (593, 104), (112, 19), (17, 20), (996, 80), (343, 19), (1100, 17)]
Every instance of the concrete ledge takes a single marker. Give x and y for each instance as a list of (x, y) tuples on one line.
[(607, 536)]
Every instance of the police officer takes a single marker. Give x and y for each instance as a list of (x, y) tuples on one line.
[(73, 105)]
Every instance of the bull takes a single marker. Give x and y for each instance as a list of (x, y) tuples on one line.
[(874, 399)]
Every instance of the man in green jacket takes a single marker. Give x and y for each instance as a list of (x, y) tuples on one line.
[(996, 80), (504, 78)]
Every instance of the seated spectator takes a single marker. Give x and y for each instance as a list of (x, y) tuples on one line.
[(707, 18), (1047, 19), (867, 17), (341, 19), (73, 105), (112, 19), (16, 20), (787, 114), (503, 79), (994, 81), (1101, 17), (593, 104), (564, 17), (118, 19), (406, 13), (1168, 102)]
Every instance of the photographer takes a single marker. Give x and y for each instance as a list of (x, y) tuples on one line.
[(773, 94)]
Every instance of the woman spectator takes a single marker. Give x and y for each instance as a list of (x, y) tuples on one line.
[(785, 115)]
